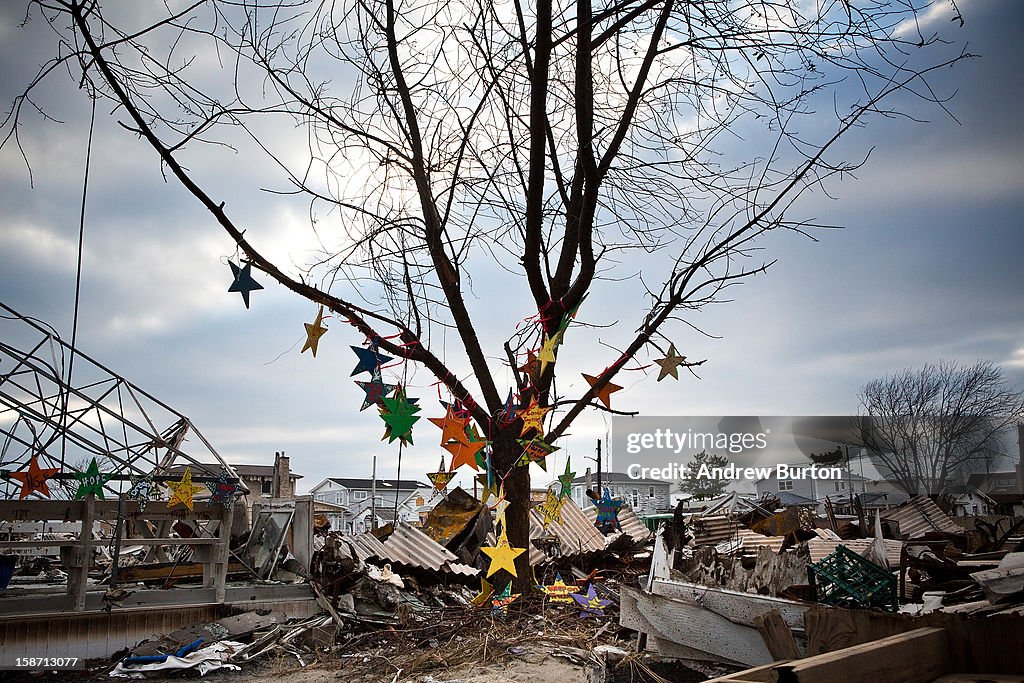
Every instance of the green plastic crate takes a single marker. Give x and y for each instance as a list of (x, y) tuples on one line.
[(845, 579)]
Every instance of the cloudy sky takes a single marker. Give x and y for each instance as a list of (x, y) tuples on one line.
[(928, 267)]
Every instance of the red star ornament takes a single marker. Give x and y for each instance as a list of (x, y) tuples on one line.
[(34, 479)]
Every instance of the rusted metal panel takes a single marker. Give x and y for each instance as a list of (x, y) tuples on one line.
[(714, 529), (919, 516), (628, 520)]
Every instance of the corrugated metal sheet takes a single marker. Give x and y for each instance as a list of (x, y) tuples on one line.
[(919, 516), (576, 534), (713, 529), (821, 548), (631, 525), (410, 547), (753, 540)]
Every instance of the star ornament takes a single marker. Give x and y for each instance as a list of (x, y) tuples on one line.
[(488, 486), (565, 481), (604, 393), (607, 512), (243, 282), (501, 601), (314, 331), (222, 491), (183, 490), (670, 363), (499, 508), (91, 481), (375, 390), (591, 605), (503, 556), (533, 416), (34, 478), (486, 591), (370, 359), (548, 351), (440, 478), (399, 414), (535, 451), (551, 509), (141, 490), (559, 591), (453, 426)]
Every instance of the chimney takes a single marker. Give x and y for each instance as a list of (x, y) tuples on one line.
[(282, 484)]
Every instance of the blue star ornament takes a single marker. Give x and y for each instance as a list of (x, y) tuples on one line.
[(608, 513), (243, 282), (222, 490), (370, 360)]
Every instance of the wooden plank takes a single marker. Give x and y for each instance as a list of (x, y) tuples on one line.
[(759, 674), (918, 656), (697, 627), (735, 606), (776, 635)]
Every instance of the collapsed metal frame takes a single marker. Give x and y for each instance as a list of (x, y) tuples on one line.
[(65, 407)]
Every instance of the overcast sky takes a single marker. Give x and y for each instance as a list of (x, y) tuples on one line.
[(928, 268)]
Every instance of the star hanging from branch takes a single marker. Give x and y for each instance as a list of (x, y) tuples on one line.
[(548, 351), (565, 480), (532, 416), (503, 556), (442, 477), (604, 393), (487, 489), (91, 481), (314, 331), (591, 604), (243, 282), (531, 368), (670, 363), (34, 478), (607, 513), (464, 454), (183, 490), (453, 426), (369, 359), (536, 451), (399, 414), (375, 390)]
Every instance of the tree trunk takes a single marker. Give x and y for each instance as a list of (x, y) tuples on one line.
[(505, 454)]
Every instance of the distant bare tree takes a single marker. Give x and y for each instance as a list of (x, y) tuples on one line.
[(922, 425), (648, 144)]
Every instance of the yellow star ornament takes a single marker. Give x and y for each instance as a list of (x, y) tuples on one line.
[(533, 417), (314, 331), (502, 556), (547, 351), (183, 490)]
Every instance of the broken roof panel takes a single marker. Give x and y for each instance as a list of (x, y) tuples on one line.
[(628, 520), (919, 516), (576, 533), (409, 546)]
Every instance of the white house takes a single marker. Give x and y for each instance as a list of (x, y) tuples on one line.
[(359, 495)]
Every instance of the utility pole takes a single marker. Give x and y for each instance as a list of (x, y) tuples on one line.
[(600, 491)]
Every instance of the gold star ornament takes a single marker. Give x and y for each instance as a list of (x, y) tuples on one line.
[(314, 331), (503, 556), (183, 491), (670, 363)]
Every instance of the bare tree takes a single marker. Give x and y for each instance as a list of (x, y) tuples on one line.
[(922, 425), (649, 143)]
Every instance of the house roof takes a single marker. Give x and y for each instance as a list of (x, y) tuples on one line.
[(244, 471), (618, 478), (382, 484)]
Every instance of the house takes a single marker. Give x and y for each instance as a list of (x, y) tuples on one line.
[(874, 494), (261, 482), (645, 496), (974, 503), (360, 496)]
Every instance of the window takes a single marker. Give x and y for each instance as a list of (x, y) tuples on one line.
[(840, 486), (265, 486), (650, 492), (420, 501), (359, 495), (634, 497), (785, 484)]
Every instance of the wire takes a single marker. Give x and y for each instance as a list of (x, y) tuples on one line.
[(78, 281)]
